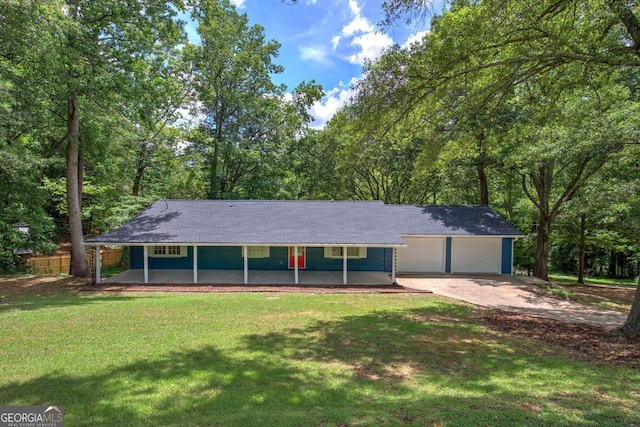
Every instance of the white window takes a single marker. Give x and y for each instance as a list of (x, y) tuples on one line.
[(353, 252), (258, 251), (168, 251)]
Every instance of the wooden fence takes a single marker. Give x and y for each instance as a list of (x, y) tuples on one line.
[(59, 264)]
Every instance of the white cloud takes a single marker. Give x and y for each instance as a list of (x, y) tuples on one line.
[(238, 3), (370, 47), (314, 54), (334, 100), (359, 24), (355, 9), (335, 41), (415, 38)]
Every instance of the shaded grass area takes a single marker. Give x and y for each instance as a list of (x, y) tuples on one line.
[(564, 278), (292, 359), (608, 294)]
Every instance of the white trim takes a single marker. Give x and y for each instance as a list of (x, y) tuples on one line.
[(145, 265), (393, 266), (236, 244), (195, 264), (513, 242), (245, 264), (471, 236), (344, 265), (98, 262)]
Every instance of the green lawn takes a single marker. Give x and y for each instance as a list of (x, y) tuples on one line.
[(292, 359), (593, 280)]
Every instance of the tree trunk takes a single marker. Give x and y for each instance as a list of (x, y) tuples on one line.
[(214, 178), (581, 248), (484, 188), (482, 164), (140, 168), (542, 179), (80, 174), (79, 266), (542, 248), (631, 327), (612, 263)]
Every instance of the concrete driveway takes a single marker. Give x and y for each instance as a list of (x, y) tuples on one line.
[(513, 294)]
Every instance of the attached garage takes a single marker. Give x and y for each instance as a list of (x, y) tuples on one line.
[(453, 239), (476, 255), (421, 255)]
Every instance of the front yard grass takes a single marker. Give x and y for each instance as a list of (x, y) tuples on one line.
[(293, 359)]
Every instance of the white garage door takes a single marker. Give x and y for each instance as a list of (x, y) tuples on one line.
[(421, 255), (476, 255)]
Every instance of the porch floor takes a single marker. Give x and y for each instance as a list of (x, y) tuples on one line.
[(256, 277)]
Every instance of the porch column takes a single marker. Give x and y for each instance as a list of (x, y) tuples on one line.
[(98, 262), (344, 265), (393, 266), (145, 267), (295, 264), (195, 264), (513, 242), (246, 264)]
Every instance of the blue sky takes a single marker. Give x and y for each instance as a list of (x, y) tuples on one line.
[(326, 41)]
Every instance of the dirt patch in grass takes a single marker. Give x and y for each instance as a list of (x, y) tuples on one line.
[(40, 284), (608, 297), (585, 342)]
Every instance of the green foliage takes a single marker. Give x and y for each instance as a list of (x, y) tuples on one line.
[(248, 121)]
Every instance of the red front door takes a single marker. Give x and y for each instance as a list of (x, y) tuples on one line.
[(302, 262)]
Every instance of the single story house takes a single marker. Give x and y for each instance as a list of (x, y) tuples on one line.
[(340, 236)]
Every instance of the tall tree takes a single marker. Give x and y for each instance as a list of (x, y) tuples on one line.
[(247, 118), (89, 53)]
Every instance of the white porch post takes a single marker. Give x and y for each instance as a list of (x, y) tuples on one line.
[(513, 242), (344, 265), (195, 264), (98, 262), (146, 263), (393, 266), (245, 255), (295, 264)]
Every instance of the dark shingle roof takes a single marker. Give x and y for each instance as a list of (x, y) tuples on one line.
[(300, 222), (450, 221), (258, 222)]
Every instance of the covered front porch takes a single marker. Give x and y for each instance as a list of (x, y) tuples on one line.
[(208, 264), (255, 277)]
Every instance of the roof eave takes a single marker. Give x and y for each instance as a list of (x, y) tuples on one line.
[(369, 245)]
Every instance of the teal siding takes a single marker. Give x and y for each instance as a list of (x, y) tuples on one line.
[(378, 259), (278, 260), (507, 255), (230, 258), (220, 258), (447, 255)]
